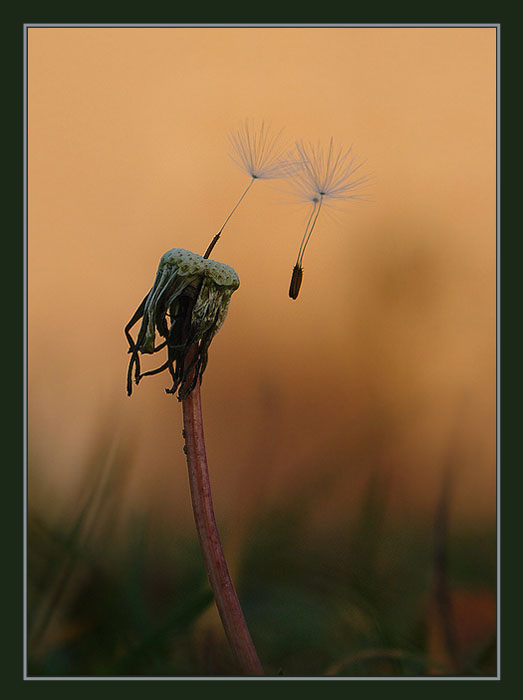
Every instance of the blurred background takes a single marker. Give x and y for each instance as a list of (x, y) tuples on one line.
[(351, 434)]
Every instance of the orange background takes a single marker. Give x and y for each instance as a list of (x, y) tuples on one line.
[(386, 362)]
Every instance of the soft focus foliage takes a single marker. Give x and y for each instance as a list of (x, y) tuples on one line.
[(117, 597)]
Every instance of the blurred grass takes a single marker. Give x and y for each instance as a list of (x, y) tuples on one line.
[(114, 596)]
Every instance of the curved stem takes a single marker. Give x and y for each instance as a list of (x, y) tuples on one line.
[(300, 258), (215, 564), (305, 234)]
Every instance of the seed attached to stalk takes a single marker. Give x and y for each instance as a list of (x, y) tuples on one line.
[(320, 176), (258, 152)]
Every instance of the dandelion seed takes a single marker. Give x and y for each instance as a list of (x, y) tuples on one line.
[(260, 153), (320, 176)]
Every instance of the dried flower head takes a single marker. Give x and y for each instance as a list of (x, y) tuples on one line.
[(187, 306), (321, 175)]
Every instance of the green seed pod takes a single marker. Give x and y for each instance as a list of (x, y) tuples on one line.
[(187, 306)]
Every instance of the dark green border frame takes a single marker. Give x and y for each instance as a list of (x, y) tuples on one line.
[(13, 630)]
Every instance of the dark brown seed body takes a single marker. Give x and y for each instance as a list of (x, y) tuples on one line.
[(297, 276)]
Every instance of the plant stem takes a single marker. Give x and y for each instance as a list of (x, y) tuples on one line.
[(215, 564)]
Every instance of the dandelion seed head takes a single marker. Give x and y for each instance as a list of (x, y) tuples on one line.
[(259, 151), (326, 173)]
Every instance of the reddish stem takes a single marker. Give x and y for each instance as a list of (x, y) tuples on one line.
[(221, 584)]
